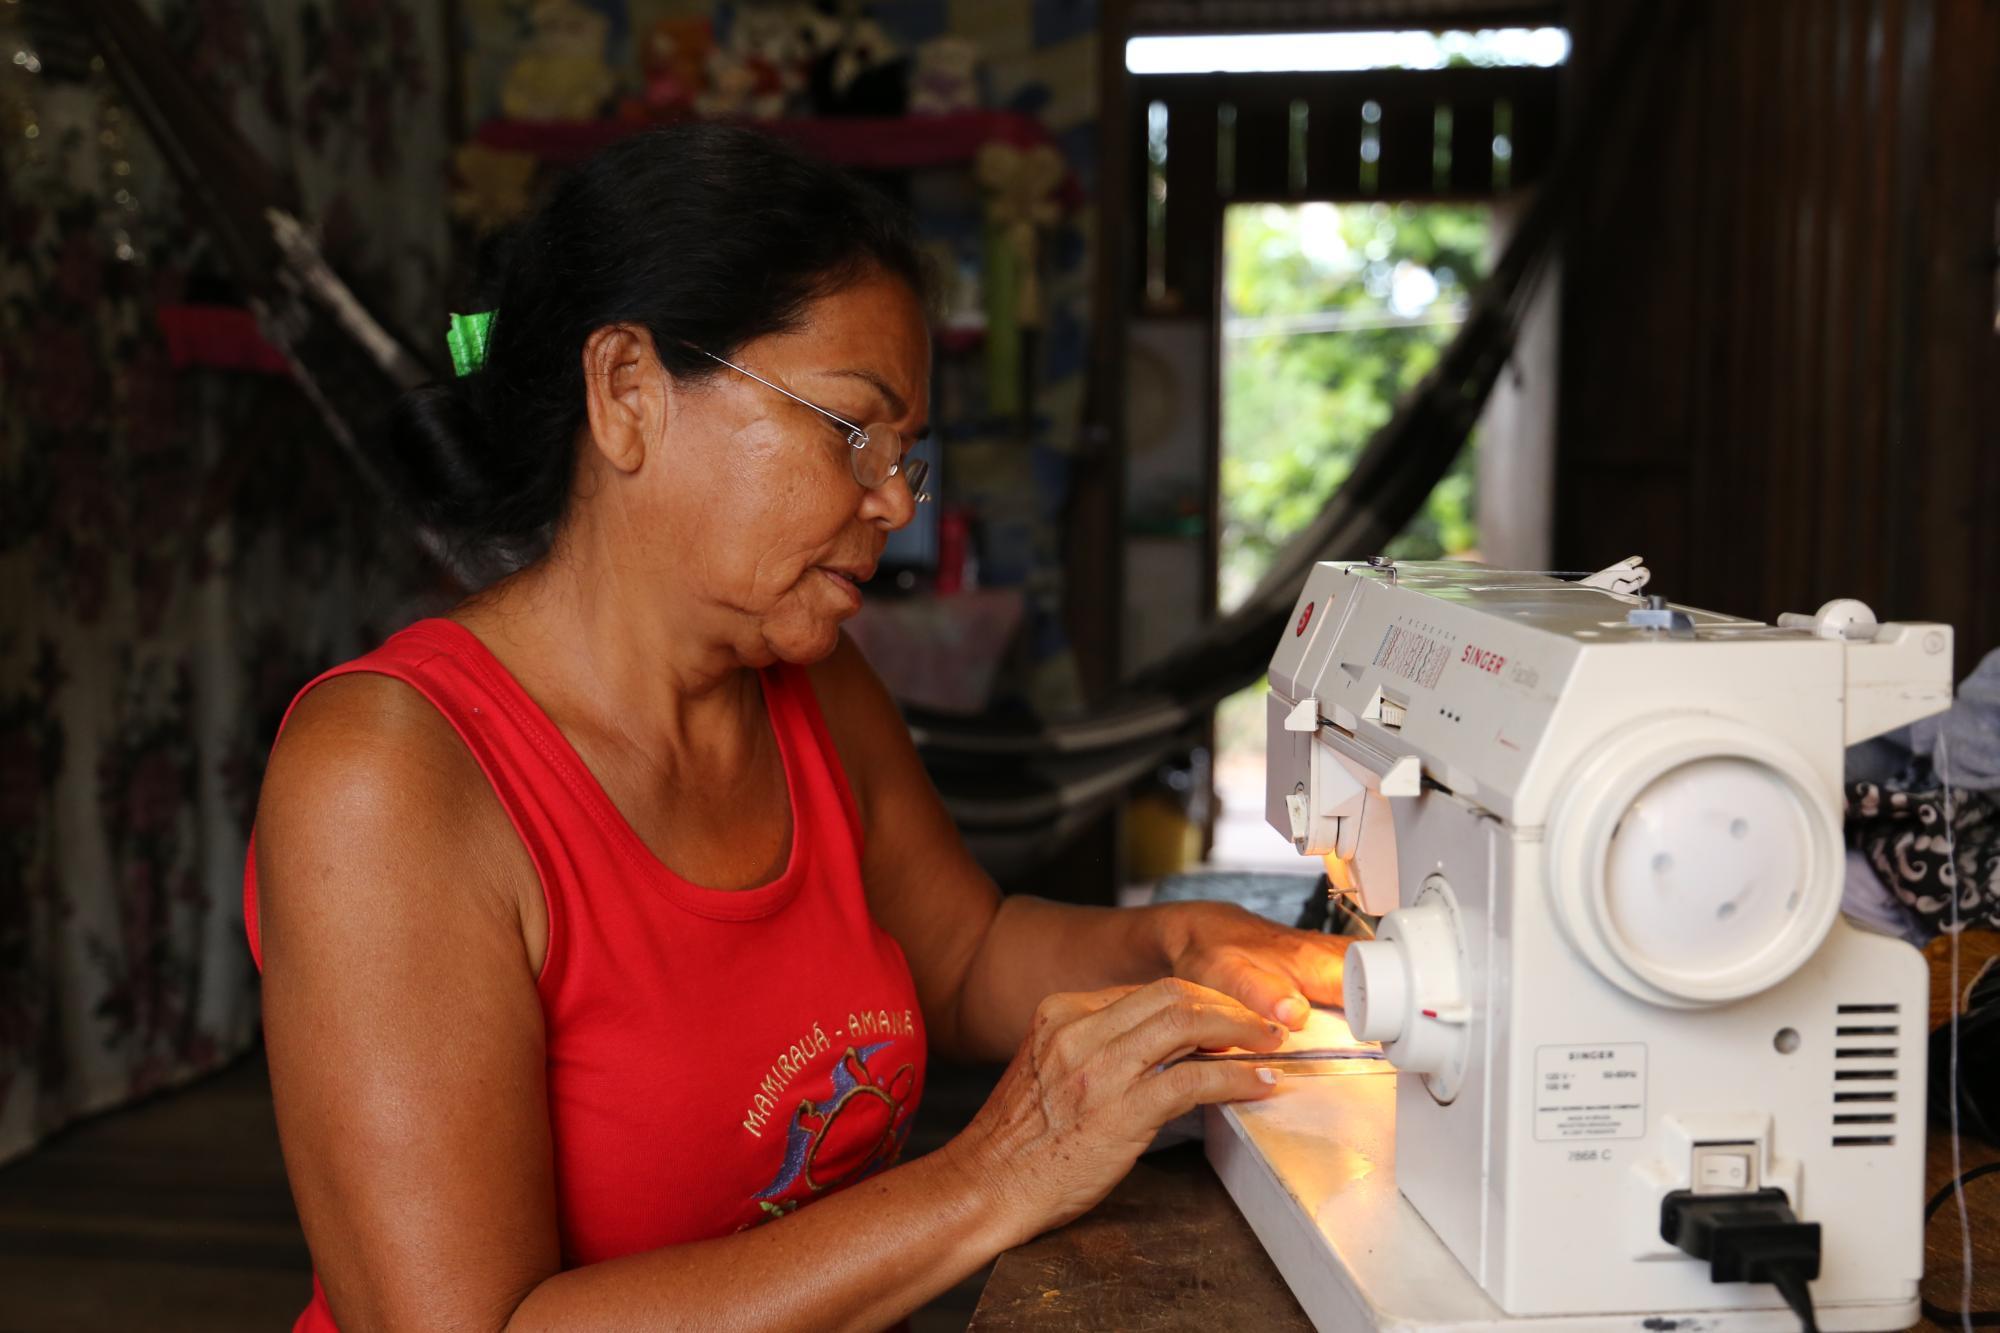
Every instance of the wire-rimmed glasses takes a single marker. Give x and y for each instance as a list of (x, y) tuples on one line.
[(876, 452)]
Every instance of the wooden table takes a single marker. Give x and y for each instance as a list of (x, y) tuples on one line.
[(1167, 1250)]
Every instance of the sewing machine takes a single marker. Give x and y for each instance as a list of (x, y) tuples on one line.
[(1604, 835)]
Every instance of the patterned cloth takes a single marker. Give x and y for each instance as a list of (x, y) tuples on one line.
[(179, 550), (1867, 902), (1901, 827)]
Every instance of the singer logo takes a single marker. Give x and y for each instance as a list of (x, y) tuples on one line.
[(1485, 661), (1305, 618)]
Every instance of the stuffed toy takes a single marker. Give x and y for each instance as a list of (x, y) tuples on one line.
[(1021, 186), (563, 75), (758, 75), (493, 187), (863, 74), (675, 62), (946, 77)]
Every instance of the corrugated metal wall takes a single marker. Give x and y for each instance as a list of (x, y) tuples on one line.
[(1781, 371)]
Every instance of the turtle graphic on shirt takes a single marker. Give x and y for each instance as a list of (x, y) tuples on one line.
[(855, 1131)]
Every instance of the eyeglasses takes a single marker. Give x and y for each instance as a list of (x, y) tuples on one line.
[(877, 452)]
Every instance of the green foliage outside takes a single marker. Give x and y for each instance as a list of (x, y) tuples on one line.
[(1298, 405)]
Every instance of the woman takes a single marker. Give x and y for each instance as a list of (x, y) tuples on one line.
[(613, 916)]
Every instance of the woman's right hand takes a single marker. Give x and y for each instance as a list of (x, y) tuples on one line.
[(1086, 1093)]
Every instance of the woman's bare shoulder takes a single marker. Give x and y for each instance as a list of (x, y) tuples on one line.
[(363, 741), (860, 715), (369, 792), (872, 738)]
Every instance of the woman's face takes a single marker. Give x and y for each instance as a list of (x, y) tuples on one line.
[(748, 500)]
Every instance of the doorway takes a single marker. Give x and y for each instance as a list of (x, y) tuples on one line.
[(1331, 312)]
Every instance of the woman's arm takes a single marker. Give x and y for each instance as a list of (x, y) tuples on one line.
[(1031, 947), (407, 1064), (1082, 1099), (860, 1259), (983, 963)]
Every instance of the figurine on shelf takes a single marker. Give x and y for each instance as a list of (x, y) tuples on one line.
[(760, 72), (816, 36), (862, 74), (493, 186), (675, 62), (946, 77), (563, 74), (1021, 187), (961, 319)]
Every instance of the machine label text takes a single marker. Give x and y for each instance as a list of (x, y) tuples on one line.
[(1590, 1092), (1486, 661)]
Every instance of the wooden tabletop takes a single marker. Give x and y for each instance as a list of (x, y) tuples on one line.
[(1168, 1251)]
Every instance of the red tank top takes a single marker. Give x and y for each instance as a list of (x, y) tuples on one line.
[(674, 1122)]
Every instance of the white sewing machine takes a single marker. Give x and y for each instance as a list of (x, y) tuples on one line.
[(1606, 834)]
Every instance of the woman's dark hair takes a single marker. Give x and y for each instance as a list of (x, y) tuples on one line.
[(709, 236)]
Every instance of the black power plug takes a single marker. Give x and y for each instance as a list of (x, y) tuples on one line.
[(1747, 1237)]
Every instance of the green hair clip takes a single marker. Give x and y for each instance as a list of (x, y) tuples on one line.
[(467, 340)]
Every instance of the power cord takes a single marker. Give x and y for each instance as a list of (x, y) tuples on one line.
[(1755, 1238), (1748, 1237)]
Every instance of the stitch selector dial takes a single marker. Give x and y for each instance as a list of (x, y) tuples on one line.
[(1406, 989)]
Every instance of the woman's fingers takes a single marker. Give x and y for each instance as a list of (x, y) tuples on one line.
[(1075, 1026), (1285, 980), (1141, 1002), (1064, 1007), (1192, 1083), (1272, 969), (1264, 988), (1174, 1030), (1087, 1088), (1321, 966)]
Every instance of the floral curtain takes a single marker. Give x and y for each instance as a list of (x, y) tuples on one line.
[(180, 549)]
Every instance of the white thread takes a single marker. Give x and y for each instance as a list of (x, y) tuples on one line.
[(1941, 758)]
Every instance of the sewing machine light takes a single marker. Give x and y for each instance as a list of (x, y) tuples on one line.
[(1330, 794), (1695, 861)]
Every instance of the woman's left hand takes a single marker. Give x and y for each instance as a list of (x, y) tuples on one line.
[(1270, 969)]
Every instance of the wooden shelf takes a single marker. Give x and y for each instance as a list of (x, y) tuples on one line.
[(869, 143)]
